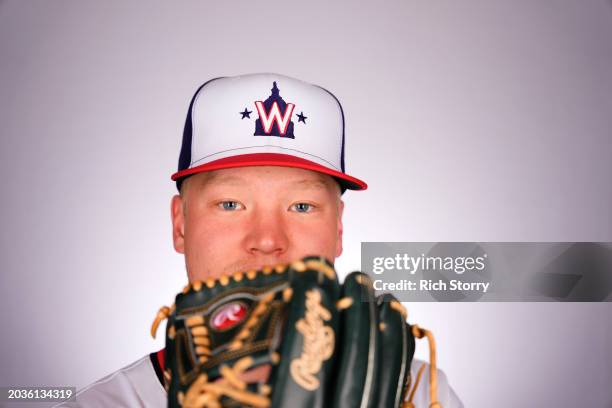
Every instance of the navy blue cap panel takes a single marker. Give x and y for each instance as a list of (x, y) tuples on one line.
[(185, 155)]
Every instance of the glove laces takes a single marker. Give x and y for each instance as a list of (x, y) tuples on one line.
[(205, 394), (419, 333)]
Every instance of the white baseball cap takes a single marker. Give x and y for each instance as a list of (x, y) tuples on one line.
[(264, 120)]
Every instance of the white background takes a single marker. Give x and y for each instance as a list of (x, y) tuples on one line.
[(471, 121)]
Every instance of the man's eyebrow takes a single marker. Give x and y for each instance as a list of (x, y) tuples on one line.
[(306, 183), (224, 179)]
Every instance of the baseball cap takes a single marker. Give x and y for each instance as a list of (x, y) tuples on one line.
[(264, 120)]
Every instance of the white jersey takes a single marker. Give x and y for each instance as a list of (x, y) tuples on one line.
[(140, 385)]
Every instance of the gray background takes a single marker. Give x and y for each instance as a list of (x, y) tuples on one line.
[(471, 121)]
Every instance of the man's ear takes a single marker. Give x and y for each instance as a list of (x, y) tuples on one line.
[(340, 229), (178, 223)]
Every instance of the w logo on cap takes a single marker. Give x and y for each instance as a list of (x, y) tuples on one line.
[(274, 116)]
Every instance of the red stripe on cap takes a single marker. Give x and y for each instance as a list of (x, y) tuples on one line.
[(273, 159)]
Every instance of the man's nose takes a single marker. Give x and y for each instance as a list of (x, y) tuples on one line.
[(267, 236)]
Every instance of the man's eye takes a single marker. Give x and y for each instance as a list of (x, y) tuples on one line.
[(230, 205), (303, 207)]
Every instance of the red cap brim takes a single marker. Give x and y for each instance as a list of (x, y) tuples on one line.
[(273, 159)]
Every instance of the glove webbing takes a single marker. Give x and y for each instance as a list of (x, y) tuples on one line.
[(208, 394)]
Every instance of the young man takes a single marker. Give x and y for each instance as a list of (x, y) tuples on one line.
[(261, 176)]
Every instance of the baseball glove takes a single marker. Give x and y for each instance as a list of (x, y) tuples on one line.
[(319, 343)]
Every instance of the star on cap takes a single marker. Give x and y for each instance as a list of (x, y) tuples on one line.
[(302, 118), (246, 113)]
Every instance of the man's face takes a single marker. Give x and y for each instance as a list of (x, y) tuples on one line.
[(243, 218)]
